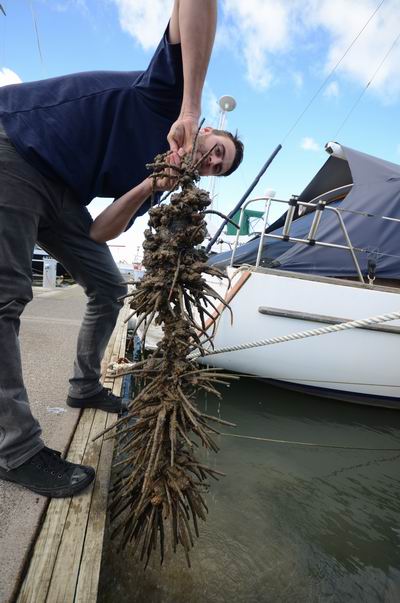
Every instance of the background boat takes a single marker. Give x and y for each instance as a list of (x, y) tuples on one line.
[(338, 239)]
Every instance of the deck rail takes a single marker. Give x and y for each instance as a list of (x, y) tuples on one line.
[(319, 204)]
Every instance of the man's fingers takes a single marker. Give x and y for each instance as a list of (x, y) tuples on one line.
[(173, 145), (174, 157), (170, 174), (176, 137), (182, 134)]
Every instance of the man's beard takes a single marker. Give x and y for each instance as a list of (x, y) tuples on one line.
[(201, 149)]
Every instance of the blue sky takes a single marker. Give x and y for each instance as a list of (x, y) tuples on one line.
[(270, 55)]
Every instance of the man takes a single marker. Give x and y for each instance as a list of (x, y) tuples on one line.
[(63, 142)]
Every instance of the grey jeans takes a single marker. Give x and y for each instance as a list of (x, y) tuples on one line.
[(34, 208)]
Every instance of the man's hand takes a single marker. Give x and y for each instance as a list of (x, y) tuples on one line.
[(193, 24), (182, 133), (170, 176)]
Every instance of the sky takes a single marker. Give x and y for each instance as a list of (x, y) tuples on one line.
[(272, 56)]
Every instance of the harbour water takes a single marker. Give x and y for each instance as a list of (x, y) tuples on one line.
[(289, 522)]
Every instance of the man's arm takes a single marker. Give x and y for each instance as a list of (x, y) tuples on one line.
[(114, 219), (193, 24)]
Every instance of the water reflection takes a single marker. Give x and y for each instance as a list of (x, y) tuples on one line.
[(288, 522)]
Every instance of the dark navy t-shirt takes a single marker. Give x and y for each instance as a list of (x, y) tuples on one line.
[(97, 130)]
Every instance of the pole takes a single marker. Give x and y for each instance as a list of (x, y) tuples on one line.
[(226, 104), (49, 272), (247, 193), (221, 123)]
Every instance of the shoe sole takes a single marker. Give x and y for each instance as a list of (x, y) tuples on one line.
[(57, 492), (96, 406)]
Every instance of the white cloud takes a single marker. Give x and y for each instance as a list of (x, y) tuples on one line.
[(260, 24), (370, 48), (144, 20), (309, 144), (267, 29), (7, 76), (261, 28), (298, 80), (332, 89), (260, 32)]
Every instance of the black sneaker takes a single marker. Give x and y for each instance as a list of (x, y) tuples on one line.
[(46, 473), (104, 400)]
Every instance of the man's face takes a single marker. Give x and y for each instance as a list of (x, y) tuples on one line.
[(221, 157)]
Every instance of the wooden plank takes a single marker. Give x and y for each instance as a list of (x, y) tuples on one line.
[(53, 571), (88, 580), (38, 577), (116, 351), (120, 342), (112, 351), (88, 515), (89, 570), (109, 350), (65, 574), (117, 385)]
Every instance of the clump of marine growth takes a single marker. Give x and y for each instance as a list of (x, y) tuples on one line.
[(159, 499)]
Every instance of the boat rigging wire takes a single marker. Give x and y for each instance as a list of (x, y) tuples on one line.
[(376, 253), (366, 214), (310, 102), (358, 99), (3, 36), (35, 26), (343, 326), (279, 147)]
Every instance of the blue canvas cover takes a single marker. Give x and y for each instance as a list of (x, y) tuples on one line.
[(375, 193)]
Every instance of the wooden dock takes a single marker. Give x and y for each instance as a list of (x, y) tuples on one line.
[(65, 562)]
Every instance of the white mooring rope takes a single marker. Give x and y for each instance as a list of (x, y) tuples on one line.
[(343, 326)]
